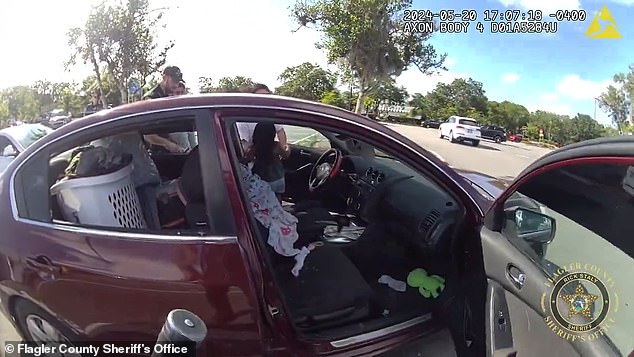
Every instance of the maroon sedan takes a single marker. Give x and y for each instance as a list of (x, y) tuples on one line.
[(375, 245)]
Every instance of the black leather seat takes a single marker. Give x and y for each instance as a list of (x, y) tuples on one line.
[(329, 289)]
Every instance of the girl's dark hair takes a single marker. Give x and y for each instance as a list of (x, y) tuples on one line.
[(264, 141)]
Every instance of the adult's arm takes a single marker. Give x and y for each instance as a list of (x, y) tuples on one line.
[(281, 136), (161, 141)]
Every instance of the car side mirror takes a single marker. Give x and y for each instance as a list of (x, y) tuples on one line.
[(534, 226)]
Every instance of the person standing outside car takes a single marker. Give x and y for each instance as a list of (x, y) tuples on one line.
[(245, 130), (186, 140), (95, 105), (145, 175), (172, 79)]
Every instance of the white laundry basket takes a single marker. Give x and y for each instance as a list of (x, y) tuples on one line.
[(107, 200)]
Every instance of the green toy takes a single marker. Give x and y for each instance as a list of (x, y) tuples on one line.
[(428, 285)]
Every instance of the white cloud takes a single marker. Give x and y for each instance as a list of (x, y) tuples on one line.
[(547, 6), (557, 108), (510, 78), (417, 82), (214, 39), (575, 87)]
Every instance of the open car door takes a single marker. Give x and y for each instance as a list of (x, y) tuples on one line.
[(557, 248)]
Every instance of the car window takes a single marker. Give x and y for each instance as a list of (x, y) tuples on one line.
[(9, 150), (114, 182), (468, 122), (28, 134), (306, 137), (6, 148), (591, 208)]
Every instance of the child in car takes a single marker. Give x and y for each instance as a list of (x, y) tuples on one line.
[(267, 154)]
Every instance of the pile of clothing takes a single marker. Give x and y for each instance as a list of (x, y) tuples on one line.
[(281, 224)]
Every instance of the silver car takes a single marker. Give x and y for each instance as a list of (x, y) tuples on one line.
[(15, 139)]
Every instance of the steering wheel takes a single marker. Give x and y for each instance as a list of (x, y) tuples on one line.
[(326, 168)]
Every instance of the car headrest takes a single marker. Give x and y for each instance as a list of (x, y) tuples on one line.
[(191, 183)]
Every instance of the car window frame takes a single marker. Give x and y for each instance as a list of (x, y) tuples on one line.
[(312, 148), (299, 117), (27, 202), (5, 141)]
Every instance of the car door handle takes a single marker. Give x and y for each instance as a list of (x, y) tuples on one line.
[(304, 153), (518, 278), (42, 262)]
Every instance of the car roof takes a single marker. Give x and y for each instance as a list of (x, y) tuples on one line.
[(211, 100), (12, 130)]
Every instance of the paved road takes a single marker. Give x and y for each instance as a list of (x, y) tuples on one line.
[(504, 160)]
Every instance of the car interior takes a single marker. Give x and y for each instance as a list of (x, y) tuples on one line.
[(177, 212), (372, 215)]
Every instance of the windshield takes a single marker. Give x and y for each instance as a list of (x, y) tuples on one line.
[(468, 122), (28, 134)]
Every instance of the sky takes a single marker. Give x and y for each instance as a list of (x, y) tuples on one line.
[(560, 72)]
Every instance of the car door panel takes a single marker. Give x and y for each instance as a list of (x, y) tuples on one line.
[(104, 282), (126, 288), (573, 187), (523, 301)]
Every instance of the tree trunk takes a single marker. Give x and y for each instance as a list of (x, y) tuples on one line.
[(95, 67), (124, 94), (360, 99)]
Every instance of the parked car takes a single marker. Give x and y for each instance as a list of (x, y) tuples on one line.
[(458, 129), (14, 139), (397, 247), (56, 118), (492, 132), (516, 138), (435, 124)]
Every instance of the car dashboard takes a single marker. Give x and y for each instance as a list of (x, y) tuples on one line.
[(384, 191)]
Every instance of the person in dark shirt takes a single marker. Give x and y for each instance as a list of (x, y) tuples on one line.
[(95, 105), (172, 76), (172, 79)]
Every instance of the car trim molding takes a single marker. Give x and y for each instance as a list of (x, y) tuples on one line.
[(380, 333), (14, 206), (136, 236)]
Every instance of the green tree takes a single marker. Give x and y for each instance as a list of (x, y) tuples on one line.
[(205, 85), (388, 93), (368, 38), (4, 112), (553, 125), (110, 93), (614, 102), (307, 81), (582, 127), (121, 38), (508, 115), (335, 98), (22, 103), (626, 80), (225, 84), (460, 97)]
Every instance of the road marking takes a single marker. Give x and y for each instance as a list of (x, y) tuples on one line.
[(304, 138)]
